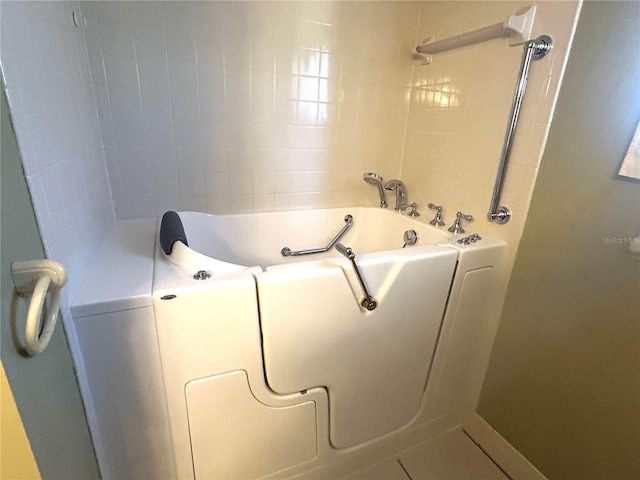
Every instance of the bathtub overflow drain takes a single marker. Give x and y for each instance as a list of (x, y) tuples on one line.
[(410, 238), (201, 275)]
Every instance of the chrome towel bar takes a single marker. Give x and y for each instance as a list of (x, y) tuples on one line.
[(287, 252), (533, 50)]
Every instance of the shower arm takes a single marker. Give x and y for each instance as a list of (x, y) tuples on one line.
[(533, 50)]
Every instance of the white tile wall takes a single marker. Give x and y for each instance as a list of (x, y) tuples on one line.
[(460, 107), (254, 106), (48, 83), (249, 106)]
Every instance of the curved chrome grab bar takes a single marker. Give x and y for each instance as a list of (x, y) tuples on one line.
[(367, 302), (286, 251)]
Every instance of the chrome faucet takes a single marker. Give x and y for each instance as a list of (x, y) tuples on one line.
[(375, 179), (456, 227), (401, 193)]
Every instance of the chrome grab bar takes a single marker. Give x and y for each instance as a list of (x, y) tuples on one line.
[(367, 302), (287, 252), (533, 50)]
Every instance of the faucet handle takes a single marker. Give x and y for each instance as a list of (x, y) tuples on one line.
[(456, 227), (468, 218), (414, 210), (437, 220)]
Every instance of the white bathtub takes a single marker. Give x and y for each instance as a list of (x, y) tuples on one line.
[(271, 367), (363, 373)]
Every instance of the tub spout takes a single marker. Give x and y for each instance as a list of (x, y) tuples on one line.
[(401, 193), (375, 179)]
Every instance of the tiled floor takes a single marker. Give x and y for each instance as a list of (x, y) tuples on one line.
[(450, 457)]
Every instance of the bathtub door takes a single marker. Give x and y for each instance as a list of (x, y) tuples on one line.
[(373, 364)]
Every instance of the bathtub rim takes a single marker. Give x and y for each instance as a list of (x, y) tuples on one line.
[(187, 256)]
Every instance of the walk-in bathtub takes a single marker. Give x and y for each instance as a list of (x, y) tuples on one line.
[(271, 364)]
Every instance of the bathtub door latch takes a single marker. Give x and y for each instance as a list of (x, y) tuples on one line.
[(368, 302)]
